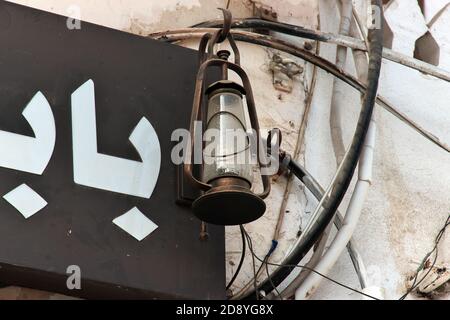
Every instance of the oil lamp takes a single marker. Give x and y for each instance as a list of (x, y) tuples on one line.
[(225, 175)]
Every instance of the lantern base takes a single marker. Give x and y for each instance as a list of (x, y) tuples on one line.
[(229, 204)]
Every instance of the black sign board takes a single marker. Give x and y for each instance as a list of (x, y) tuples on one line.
[(133, 78)]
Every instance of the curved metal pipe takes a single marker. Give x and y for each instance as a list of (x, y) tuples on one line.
[(267, 41), (346, 41)]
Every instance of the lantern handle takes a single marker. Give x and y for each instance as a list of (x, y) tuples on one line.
[(210, 40), (227, 18)]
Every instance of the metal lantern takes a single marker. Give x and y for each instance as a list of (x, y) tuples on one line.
[(225, 179)]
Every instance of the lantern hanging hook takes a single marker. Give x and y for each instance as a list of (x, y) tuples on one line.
[(227, 19)]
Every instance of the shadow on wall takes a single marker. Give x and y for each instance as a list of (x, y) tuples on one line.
[(432, 8), (426, 47)]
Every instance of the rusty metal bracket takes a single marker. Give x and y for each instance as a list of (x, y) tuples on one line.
[(264, 12), (284, 71)]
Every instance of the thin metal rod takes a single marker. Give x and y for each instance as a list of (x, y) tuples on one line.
[(333, 38), (267, 41)]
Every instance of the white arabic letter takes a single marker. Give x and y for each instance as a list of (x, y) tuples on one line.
[(30, 154), (106, 172)]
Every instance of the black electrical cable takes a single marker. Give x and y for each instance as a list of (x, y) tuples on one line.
[(241, 261), (310, 269), (263, 264), (343, 179), (250, 246)]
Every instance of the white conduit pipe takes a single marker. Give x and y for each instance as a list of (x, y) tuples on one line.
[(312, 282), (337, 98)]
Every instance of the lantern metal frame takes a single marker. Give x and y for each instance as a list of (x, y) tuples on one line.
[(228, 188)]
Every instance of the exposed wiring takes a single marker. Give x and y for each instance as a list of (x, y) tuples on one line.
[(241, 262), (316, 189), (298, 147), (437, 240), (258, 272), (310, 269), (270, 280), (250, 246)]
